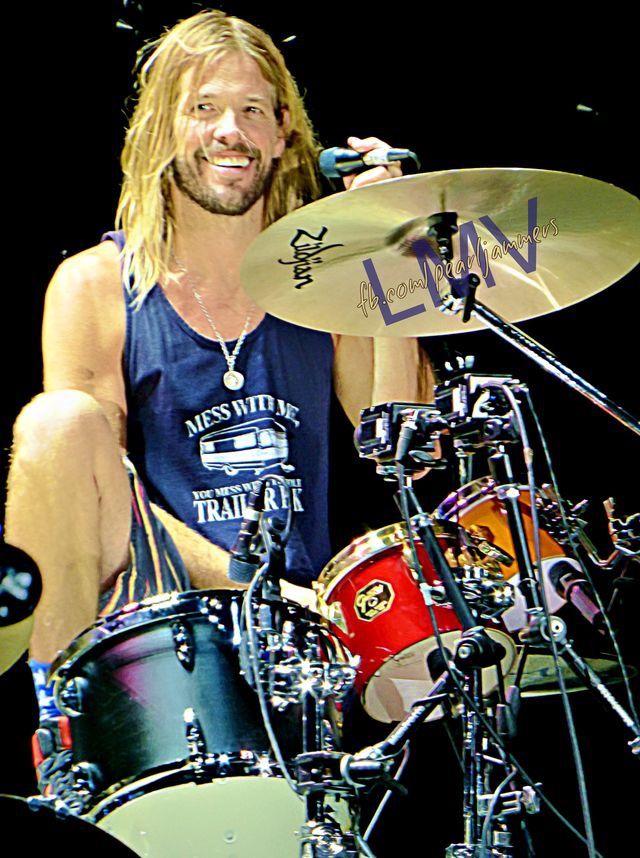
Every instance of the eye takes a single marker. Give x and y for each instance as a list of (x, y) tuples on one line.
[(254, 109)]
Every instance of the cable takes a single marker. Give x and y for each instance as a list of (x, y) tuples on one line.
[(255, 663), (385, 798), (484, 837), (566, 703), (579, 560)]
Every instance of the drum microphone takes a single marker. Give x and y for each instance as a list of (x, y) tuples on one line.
[(336, 161), (244, 562), (570, 584)]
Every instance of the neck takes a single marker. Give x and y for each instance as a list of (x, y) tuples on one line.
[(209, 248)]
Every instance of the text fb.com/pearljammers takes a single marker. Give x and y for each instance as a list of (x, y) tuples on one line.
[(374, 297)]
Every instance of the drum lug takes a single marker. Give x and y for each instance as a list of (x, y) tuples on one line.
[(196, 742), (72, 696), (75, 794), (184, 645), (87, 782)]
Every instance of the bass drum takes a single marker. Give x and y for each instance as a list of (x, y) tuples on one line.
[(371, 600), (476, 508), (168, 735)]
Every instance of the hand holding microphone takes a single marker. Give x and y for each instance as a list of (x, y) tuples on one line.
[(376, 158)]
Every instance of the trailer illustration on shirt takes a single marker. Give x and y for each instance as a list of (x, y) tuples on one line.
[(253, 446)]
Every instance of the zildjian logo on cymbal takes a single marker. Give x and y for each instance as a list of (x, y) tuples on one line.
[(306, 254)]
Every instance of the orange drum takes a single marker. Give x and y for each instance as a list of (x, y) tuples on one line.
[(370, 597), (476, 508)]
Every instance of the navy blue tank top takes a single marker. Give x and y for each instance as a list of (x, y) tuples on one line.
[(200, 447)]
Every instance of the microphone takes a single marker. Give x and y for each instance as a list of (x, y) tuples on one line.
[(570, 584), (409, 426), (337, 162), (243, 561)]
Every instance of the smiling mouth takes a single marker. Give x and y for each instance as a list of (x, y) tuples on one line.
[(233, 161)]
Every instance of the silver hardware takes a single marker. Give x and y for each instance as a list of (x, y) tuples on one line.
[(183, 644), (71, 696), (196, 744)]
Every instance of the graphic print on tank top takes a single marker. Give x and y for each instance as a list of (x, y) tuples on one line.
[(251, 448)]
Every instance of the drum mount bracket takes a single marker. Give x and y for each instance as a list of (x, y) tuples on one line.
[(325, 839)]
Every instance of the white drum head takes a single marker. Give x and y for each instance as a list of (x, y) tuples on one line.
[(238, 817), (404, 678)]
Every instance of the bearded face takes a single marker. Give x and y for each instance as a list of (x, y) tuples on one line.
[(231, 134), (236, 196)]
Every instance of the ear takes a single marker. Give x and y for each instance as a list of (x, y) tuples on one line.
[(282, 132)]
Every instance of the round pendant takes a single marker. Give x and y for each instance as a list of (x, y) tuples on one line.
[(233, 380)]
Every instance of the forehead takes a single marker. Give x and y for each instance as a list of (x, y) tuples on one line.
[(232, 73)]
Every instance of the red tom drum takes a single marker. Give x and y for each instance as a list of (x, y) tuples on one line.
[(370, 597)]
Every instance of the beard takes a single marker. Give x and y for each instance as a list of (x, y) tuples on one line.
[(236, 201)]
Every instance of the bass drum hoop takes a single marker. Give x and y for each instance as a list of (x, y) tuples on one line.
[(151, 611)]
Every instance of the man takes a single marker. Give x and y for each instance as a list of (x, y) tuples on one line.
[(180, 363)]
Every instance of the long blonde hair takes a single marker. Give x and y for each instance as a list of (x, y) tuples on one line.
[(144, 211)]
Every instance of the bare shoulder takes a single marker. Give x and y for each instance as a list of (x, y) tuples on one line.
[(95, 271), (84, 325)]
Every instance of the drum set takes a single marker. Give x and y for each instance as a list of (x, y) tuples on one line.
[(209, 723)]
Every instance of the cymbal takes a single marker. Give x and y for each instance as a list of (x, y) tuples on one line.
[(309, 267), (539, 678)]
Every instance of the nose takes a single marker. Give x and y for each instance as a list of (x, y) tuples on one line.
[(226, 128)]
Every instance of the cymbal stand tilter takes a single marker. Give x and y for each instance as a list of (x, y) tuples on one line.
[(461, 297)]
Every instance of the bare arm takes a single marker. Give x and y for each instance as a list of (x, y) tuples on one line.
[(369, 371), (83, 341)]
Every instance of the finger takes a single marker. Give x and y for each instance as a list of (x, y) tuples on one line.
[(370, 177), (366, 144)]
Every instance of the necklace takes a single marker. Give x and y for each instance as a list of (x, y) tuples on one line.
[(232, 379)]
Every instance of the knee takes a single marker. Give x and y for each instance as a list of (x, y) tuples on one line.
[(55, 416)]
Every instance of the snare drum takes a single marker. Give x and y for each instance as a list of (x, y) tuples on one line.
[(372, 602), (477, 509), (169, 734)]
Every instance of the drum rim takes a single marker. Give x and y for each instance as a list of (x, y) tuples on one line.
[(147, 612), (499, 635), (361, 549), (177, 773), (465, 497)]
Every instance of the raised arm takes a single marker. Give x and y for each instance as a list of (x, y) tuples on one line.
[(369, 371)]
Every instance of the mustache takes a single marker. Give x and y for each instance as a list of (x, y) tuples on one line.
[(240, 148)]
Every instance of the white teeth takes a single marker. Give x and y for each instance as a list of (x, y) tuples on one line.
[(229, 160)]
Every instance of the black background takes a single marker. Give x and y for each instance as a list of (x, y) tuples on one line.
[(461, 88)]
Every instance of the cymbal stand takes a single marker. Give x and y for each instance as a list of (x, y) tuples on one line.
[(292, 663)]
